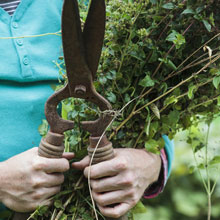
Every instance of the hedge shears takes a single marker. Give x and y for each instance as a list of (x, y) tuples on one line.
[(82, 51)]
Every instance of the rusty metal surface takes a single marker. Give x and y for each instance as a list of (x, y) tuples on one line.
[(82, 50)]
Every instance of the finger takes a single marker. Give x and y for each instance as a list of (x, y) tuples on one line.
[(113, 197), (81, 164), (106, 168), (54, 179), (52, 191), (56, 165), (116, 211), (45, 193), (111, 184), (68, 155)]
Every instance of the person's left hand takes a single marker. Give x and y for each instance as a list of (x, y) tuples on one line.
[(119, 183)]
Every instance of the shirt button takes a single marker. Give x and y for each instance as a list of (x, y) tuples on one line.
[(14, 24), (25, 61), (20, 42)]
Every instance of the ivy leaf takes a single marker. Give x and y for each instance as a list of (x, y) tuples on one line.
[(207, 25), (146, 82), (169, 6), (216, 81)]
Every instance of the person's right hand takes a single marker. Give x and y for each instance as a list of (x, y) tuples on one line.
[(28, 180)]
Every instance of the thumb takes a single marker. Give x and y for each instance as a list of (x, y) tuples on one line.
[(82, 164)]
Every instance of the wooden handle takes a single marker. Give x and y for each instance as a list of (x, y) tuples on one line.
[(104, 151), (51, 146)]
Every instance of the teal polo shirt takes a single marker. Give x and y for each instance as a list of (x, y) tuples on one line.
[(27, 71)]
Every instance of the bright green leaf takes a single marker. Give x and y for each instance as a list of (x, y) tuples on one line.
[(170, 100), (191, 91)]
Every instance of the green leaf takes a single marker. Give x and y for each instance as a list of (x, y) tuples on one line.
[(173, 117), (171, 65), (58, 204), (191, 91), (169, 6), (139, 208), (215, 160), (154, 146), (218, 100), (188, 11), (43, 128), (65, 109), (170, 100), (207, 25), (216, 81), (146, 82), (111, 97), (192, 169), (172, 36)]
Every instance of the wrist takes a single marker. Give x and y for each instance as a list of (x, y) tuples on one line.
[(2, 178)]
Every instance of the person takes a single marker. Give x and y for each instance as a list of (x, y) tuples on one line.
[(27, 71)]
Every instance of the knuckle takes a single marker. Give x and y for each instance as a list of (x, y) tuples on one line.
[(127, 181), (94, 185), (39, 164), (133, 198), (66, 164), (37, 196), (121, 165), (60, 178), (32, 206), (36, 182), (98, 199)]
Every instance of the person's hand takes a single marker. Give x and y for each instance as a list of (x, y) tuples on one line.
[(28, 180), (119, 183)]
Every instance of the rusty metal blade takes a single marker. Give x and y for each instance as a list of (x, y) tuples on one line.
[(74, 52), (93, 34)]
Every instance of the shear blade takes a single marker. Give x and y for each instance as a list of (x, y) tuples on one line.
[(82, 50)]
